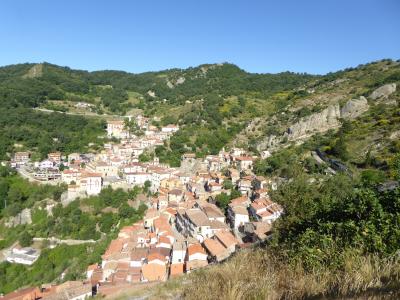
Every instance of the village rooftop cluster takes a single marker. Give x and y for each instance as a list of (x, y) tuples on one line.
[(183, 228)]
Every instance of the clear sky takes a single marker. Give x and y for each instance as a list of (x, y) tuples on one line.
[(259, 36)]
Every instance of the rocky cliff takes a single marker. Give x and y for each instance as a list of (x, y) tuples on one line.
[(319, 122), (383, 91)]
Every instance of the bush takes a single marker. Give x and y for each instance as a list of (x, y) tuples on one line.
[(25, 239)]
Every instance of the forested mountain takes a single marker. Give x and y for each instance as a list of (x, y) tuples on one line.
[(168, 94), (30, 85)]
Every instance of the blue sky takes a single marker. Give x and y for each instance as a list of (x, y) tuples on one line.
[(259, 36)]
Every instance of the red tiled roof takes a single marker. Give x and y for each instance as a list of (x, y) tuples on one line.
[(195, 248)]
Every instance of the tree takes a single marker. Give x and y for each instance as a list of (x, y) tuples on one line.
[(227, 184), (222, 200), (396, 166), (125, 211), (25, 239), (132, 127), (147, 185), (235, 193), (340, 149), (57, 194)]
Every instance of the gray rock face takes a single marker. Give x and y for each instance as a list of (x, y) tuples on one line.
[(319, 122), (151, 93), (354, 108), (179, 81), (383, 91), (24, 217)]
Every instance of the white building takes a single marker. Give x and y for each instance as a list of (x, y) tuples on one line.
[(178, 252), (244, 163), (92, 183), (25, 256), (46, 164), (170, 128), (137, 178), (116, 129), (238, 215)]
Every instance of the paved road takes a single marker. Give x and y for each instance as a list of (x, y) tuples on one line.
[(88, 114), (67, 242)]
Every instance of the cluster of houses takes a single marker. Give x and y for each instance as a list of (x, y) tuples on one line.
[(69, 290), (184, 228), (118, 164), (45, 170)]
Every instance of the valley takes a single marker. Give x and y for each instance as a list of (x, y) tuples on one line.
[(285, 183)]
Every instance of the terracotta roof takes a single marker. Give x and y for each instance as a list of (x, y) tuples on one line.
[(244, 158), (212, 211), (114, 247), (31, 293), (170, 210), (96, 276), (139, 254), (226, 238), (176, 269), (161, 223), (154, 272), (135, 270), (176, 192), (240, 210), (122, 265), (239, 200), (120, 276), (214, 247), (164, 239), (197, 217), (89, 174), (154, 256), (165, 252), (111, 265), (214, 224), (195, 248)]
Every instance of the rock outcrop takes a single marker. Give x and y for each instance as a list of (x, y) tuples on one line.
[(179, 81), (354, 108), (319, 122), (24, 217), (383, 91), (35, 71)]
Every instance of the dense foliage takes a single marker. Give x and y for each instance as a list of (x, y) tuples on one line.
[(322, 220), (72, 260), (45, 132), (95, 218), (17, 193)]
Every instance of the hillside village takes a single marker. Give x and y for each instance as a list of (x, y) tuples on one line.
[(183, 228), (197, 215)]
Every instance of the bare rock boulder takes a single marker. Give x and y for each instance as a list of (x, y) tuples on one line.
[(354, 108), (383, 91)]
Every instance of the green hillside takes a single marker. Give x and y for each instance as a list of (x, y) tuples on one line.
[(339, 235), (201, 98)]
